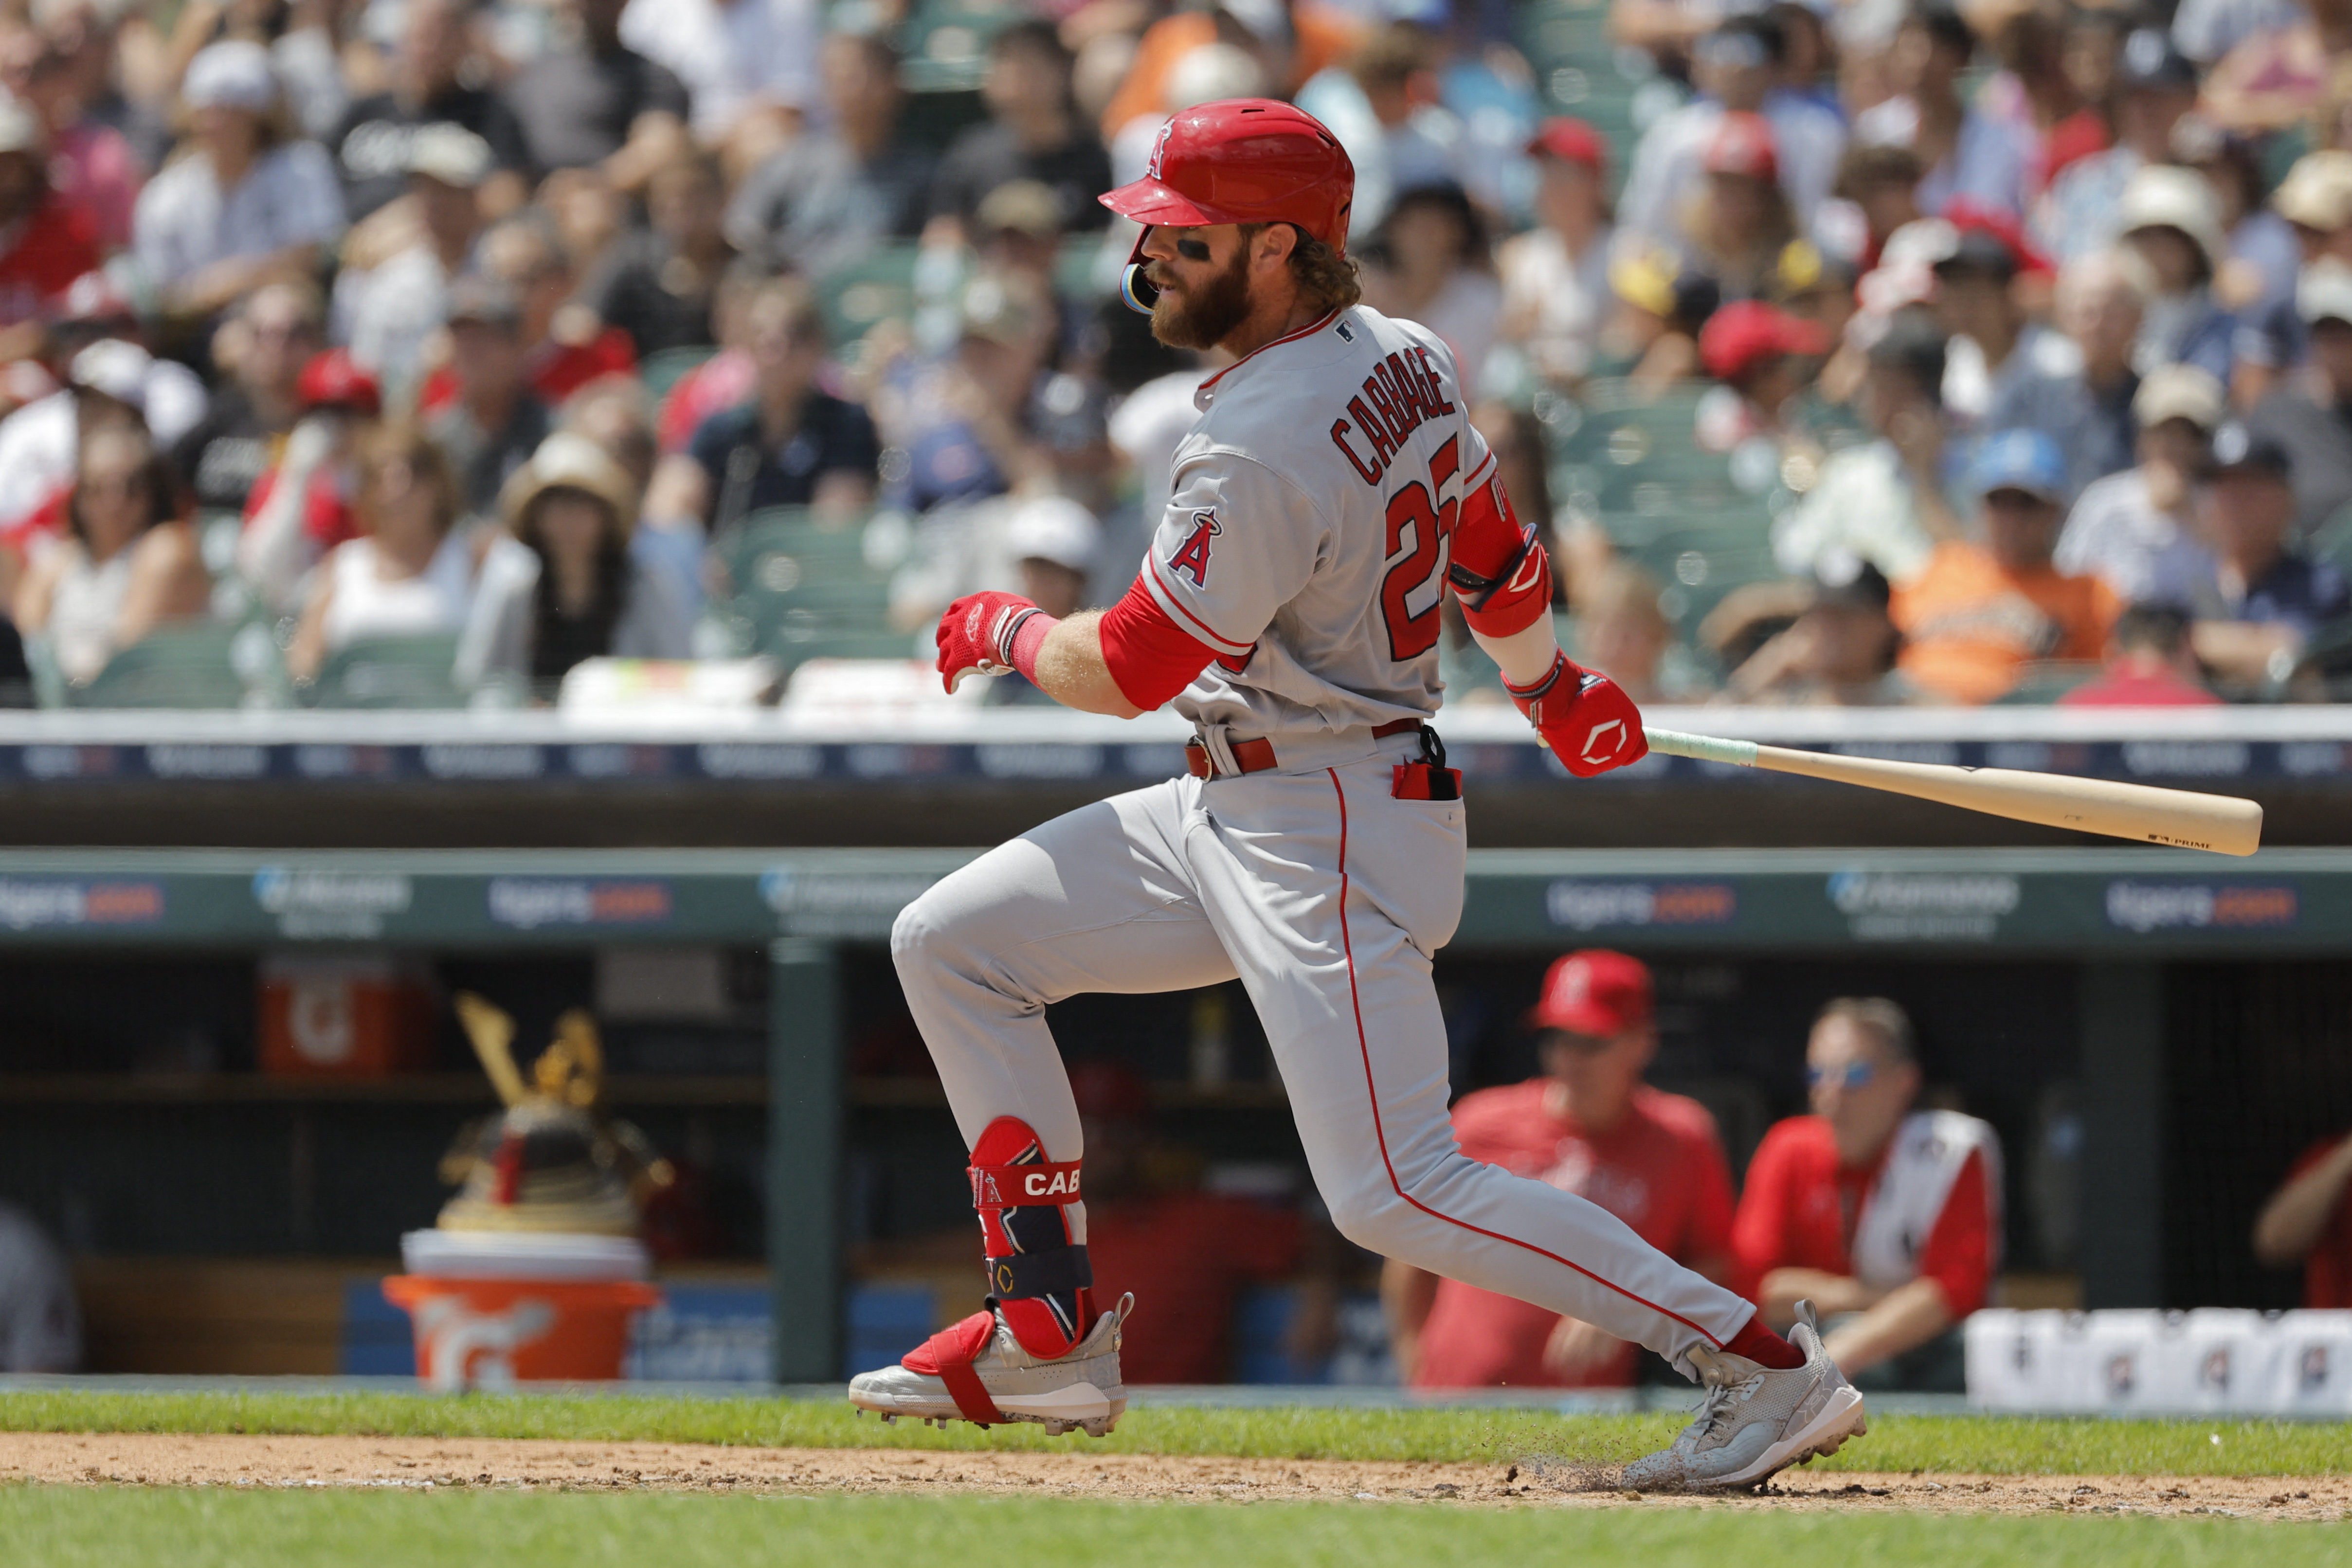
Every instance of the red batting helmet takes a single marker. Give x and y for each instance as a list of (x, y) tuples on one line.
[(1240, 160)]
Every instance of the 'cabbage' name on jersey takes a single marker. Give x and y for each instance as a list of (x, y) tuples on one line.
[(1402, 391)]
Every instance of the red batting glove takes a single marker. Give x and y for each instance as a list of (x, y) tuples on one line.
[(1587, 719), (975, 636)]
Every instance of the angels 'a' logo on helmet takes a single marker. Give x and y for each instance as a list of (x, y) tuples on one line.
[(1159, 150)]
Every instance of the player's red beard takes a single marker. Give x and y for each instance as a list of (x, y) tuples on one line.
[(1202, 317)]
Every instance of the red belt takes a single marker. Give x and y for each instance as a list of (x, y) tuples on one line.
[(1257, 756)]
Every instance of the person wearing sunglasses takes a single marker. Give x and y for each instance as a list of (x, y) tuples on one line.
[(1887, 1217), (1590, 1125)]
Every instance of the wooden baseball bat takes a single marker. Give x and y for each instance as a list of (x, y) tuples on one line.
[(2222, 823)]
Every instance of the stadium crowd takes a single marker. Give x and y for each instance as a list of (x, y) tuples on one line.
[(1863, 352)]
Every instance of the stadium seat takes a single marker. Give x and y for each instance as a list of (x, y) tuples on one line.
[(391, 672), (666, 368), (192, 667)]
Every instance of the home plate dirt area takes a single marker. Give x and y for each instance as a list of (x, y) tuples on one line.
[(230, 1461)]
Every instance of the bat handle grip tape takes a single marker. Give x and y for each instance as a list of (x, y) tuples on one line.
[(1706, 748)]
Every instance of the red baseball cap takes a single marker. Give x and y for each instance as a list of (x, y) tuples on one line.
[(332, 379), (1572, 141), (1594, 992), (1747, 332), (1743, 144)]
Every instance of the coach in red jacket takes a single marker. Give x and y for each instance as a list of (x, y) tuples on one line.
[(1884, 1214), (1591, 1126)]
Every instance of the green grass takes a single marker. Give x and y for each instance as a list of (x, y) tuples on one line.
[(59, 1527), (1990, 1445)]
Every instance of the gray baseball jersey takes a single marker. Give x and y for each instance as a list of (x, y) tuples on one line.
[(1305, 539)]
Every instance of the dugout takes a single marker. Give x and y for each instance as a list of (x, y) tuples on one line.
[(2156, 1035)]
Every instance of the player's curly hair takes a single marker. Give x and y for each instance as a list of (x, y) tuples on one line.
[(1326, 277)]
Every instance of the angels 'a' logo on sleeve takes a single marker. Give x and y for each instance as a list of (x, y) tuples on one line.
[(1192, 556)]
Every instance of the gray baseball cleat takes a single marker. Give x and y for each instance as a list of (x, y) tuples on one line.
[(1756, 1422), (978, 1372)]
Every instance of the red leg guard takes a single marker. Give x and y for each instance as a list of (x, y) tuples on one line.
[(1038, 1273)]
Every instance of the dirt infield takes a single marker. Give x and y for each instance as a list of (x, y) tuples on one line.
[(168, 1459)]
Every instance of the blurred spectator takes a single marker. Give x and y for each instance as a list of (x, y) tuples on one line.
[(1053, 542), (565, 347), (1763, 356), (1205, 75), (2206, 30), (1884, 502), (1978, 614), (2149, 663), (2081, 212), (659, 283), (1881, 184), (2309, 414), (749, 65), (1430, 262), (91, 163), (126, 564), (496, 422), (1969, 155), (1297, 39), (1033, 132), (1840, 651), (1384, 110), (988, 416), (792, 444), (2315, 203), (1887, 1218), (2131, 529), (724, 380), (566, 585), (2255, 599), (262, 347), (110, 381), (2262, 254), (1590, 1125), (246, 205), (47, 239), (375, 147), (823, 201), (304, 505), (591, 101), (2278, 75), (2170, 219), (1736, 67), (1621, 631), (2307, 1220), (40, 1322), (1997, 352), (1739, 241), (396, 307), (1555, 276), (410, 571), (2082, 396)]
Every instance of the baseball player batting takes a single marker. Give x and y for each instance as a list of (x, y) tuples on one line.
[(1331, 492)]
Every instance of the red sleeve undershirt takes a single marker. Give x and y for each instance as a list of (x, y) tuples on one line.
[(1150, 658), (1959, 1254)]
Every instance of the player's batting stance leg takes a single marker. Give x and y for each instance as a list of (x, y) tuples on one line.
[(1331, 493)]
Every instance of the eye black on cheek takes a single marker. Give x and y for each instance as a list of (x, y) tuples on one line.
[(1193, 249)]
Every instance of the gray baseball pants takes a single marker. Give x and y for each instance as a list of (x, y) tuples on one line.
[(1326, 896)]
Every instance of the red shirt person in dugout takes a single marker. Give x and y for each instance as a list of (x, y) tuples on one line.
[(1867, 1206), (1591, 1126), (2308, 1220)]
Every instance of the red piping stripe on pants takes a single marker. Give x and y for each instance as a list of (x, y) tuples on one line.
[(1379, 1132)]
